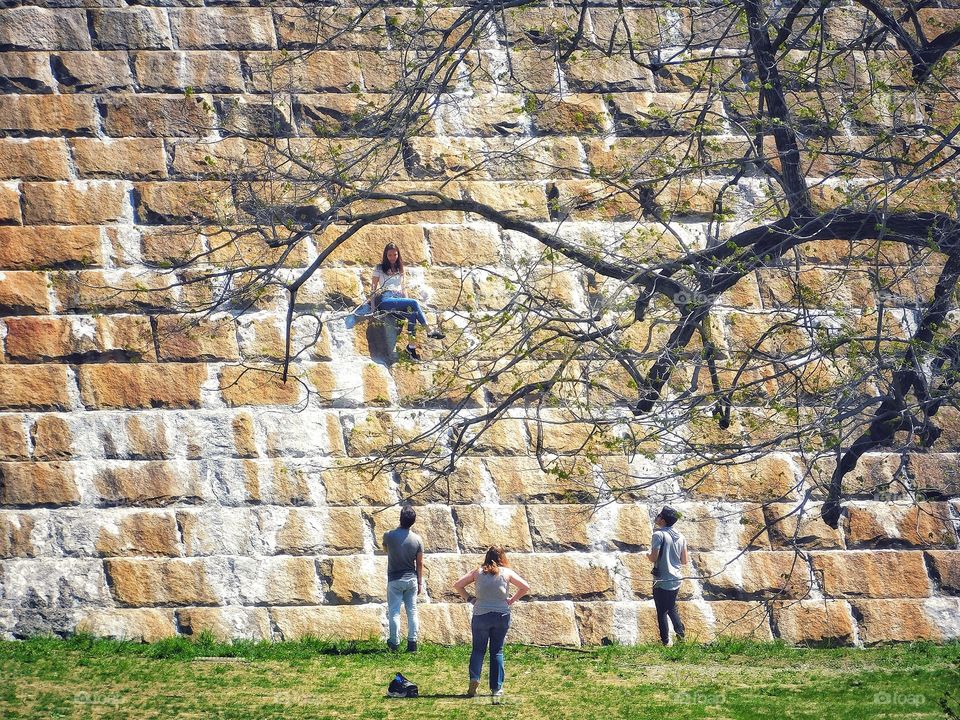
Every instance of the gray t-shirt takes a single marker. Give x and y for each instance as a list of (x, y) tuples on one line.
[(402, 546), (671, 545), (492, 592)]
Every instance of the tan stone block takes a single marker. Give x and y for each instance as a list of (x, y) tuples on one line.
[(440, 572), (376, 384), (34, 159), (637, 570), (446, 157), (451, 290), (440, 384), (753, 575), (226, 623), (434, 525), (561, 527), (133, 625), (167, 246), (151, 484), (161, 581), (33, 387), (924, 524), (23, 293), (202, 71), (522, 480), (184, 202), (321, 71), (380, 430), (257, 386), (135, 158), (39, 339), (543, 623), (26, 72), (814, 622), (366, 246), (139, 533), (52, 438), (131, 335), (244, 437), (525, 201), (48, 114), (146, 437), (597, 72), (238, 249), (464, 484), (29, 27), (13, 438), (874, 475), (15, 535), (131, 28), (278, 581), (894, 621), (357, 484), (482, 526), (93, 72), (330, 623), (331, 26), (563, 576), (188, 339), (357, 579), (464, 246), (872, 574), (788, 528), (444, 623), (328, 530), (167, 385), (157, 115), (936, 474), (768, 478), (10, 205), (574, 114), (261, 339), (731, 618), (28, 248), (218, 28), (589, 200), (503, 437), (945, 567)]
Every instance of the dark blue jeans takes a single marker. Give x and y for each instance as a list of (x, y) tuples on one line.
[(489, 628), (407, 307), (666, 603)]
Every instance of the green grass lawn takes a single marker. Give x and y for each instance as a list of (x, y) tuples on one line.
[(86, 678)]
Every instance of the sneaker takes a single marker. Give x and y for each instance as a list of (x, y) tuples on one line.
[(393, 647), (411, 645), (436, 334), (496, 696), (412, 352), (498, 692), (472, 690)]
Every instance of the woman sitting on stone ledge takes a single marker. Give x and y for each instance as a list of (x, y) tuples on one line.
[(387, 295)]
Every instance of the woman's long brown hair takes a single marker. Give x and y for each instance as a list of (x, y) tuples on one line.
[(385, 264), (495, 559)]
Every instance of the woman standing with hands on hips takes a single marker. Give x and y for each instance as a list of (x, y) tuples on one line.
[(387, 295), (491, 614)]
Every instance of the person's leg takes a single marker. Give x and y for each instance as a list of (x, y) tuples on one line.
[(408, 308), (480, 629), (410, 604), (674, 615), (394, 598), (498, 633), (660, 601)]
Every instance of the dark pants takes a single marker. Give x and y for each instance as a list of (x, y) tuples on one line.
[(490, 627), (666, 603)]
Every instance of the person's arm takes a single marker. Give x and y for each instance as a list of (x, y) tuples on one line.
[(461, 584), (374, 281), (522, 587), (683, 553), (655, 542), (420, 571)]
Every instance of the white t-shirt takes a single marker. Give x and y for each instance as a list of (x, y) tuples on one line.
[(387, 281)]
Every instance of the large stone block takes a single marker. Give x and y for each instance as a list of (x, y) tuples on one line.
[(945, 567), (351, 484), (161, 203), (137, 625), (440, 572), (255, 386), (357, 579), (134, 158), (321, 71), (444, 623), (157, 115), (323, 530), (561, 527), (814, 622), (575, 114), (434, 525), (146, 582), (36, 28), (754, 575), (86, 72), (131, 28), (707, 621), (15, 535), (598, 72), (482, 526), (872, 574), (34, 387), (226, 623), (769, 478), (51, 583), (202, 71), (341, 622), (365, 247), (139, 533), (13, 438), (48, 114), (194, 339), (277, 581), (210, 531), (555, 576), (23, 293), (30, 248), (880, 525), (34, 159), (894, 620), (521, 479), (147, 483), (25, 72), (113, 291), (936, 475), (332, 26), (52, 438), (166, 385), (465, 484), (221, 28), (543, 623), (789, 528), (524, 201), (85, 202), (38, 483)]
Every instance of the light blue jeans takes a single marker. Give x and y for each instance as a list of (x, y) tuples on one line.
[(408, 308), (402, 591), (489, 628)]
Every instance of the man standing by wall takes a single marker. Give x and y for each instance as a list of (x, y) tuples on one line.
[(404, 577), (668, 552)]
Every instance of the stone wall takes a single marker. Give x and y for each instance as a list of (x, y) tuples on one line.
[(149, 487)]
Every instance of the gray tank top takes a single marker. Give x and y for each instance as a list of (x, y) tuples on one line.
[(492, 593)]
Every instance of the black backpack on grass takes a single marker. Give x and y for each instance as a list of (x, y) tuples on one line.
[(400, 687)]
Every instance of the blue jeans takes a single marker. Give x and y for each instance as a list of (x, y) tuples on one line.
[(407, 307), (490, 627), (404, 591)]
